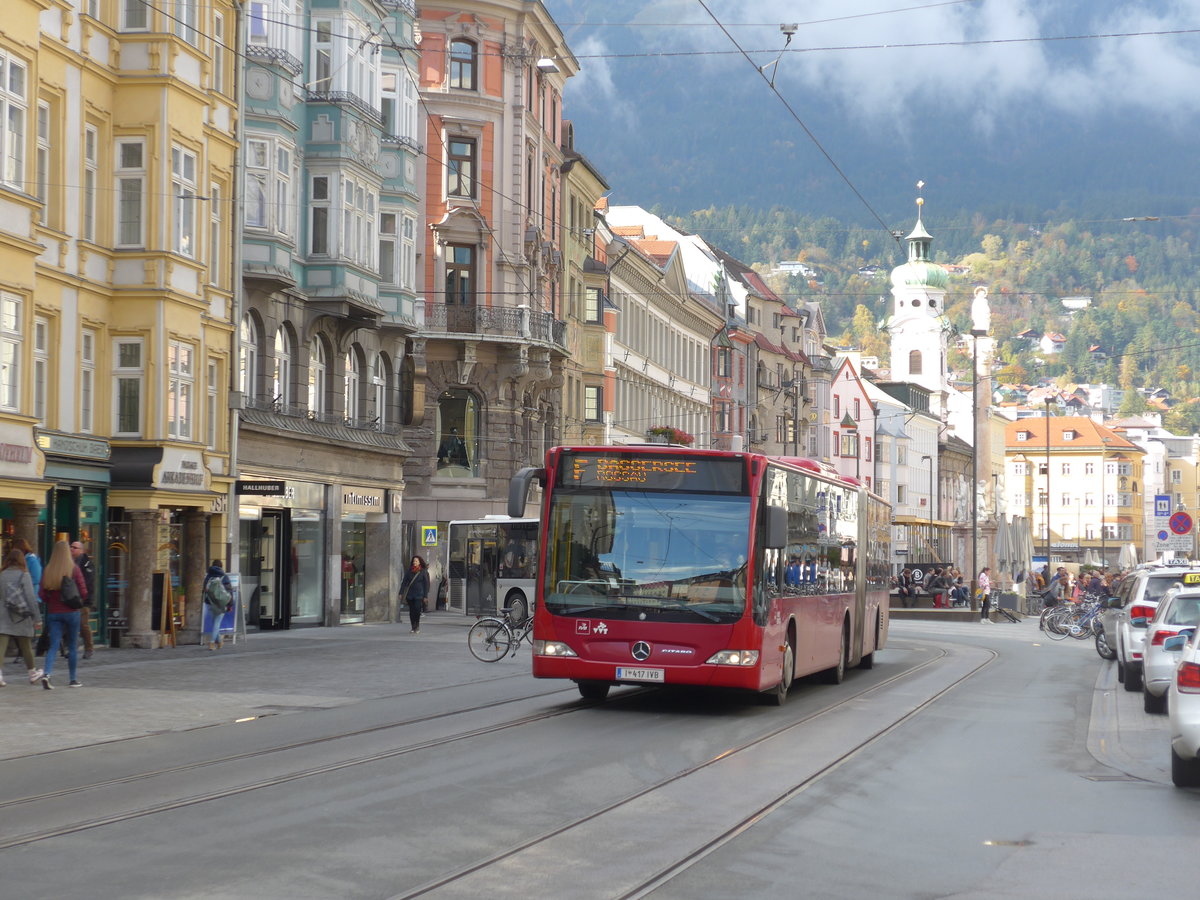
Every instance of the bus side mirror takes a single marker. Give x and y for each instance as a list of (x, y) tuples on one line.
[(776, 537), (518, 489)]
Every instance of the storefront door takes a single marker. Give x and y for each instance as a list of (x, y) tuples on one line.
[(264, 569)]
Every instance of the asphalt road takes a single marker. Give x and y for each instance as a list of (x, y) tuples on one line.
[(972, 761)]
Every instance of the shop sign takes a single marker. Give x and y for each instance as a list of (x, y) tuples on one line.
[(73, 445), (262, 488), (362, 500), (19, 458), (396, 499), (181, 470)]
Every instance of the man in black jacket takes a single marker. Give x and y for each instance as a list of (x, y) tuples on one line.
[(88, 568)]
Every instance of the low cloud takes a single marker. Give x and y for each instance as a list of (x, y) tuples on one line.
[(986, 82)]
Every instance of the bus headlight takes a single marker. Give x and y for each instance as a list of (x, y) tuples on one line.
[(552, 648), (734, 658)]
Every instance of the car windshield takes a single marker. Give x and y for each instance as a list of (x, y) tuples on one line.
[(664, 556)]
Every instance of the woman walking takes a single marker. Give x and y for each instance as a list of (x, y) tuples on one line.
[(984, 587), (19, 613), (414, 588), (62, 608)]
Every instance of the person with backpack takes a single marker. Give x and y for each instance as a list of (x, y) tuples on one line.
[(218, 597), (19, 613), (64, 592)]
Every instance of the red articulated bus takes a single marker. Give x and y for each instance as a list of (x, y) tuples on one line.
[(666, 565)]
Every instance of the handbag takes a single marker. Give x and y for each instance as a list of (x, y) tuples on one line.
[(69, 592)]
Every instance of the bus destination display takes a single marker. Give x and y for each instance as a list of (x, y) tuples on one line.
[(651, 472)]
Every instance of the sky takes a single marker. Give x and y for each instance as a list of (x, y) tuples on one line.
[(991, 92)]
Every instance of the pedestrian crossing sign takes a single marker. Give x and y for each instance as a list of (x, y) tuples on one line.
[(429, 535)]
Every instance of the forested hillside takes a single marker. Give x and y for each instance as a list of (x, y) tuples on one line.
[(1142, 329)]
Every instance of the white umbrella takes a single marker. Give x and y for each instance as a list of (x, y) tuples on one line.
[(1004, 546), (1022, 546), (1128, 556)]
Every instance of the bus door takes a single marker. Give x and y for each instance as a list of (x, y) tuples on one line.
[(481, 575)]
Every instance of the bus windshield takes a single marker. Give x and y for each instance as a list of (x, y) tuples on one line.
[(665, 556)]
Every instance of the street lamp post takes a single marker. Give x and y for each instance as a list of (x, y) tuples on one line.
[(925, 457), (1047, 491), (1103, 503)]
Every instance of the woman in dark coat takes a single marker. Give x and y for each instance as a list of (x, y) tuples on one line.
[(414, 588)]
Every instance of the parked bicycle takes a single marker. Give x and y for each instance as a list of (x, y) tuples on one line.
[(493, 638), (1071, 620)]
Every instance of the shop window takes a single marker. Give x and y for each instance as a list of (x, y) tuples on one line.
[(458, 429)]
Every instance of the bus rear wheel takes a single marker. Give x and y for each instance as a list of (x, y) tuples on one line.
[(835, 674), (786, 676), (593, 690)]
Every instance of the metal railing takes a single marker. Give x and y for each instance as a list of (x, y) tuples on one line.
[(505, 321)]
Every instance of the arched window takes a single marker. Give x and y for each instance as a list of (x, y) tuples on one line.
[(914, 362), (248, 358), (463, 64), (458, 435), (352, 376), (379, 389), (281, 370), (317, 371)]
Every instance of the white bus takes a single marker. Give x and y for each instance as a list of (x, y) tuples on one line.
[(492, 565)]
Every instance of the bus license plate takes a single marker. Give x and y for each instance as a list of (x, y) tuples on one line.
[(624, 673)]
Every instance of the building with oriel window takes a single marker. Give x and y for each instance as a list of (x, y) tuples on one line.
[(488, 360), (118, 140), (332, 137)]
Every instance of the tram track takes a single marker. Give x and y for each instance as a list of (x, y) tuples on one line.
[(460, 882), (283, 778)]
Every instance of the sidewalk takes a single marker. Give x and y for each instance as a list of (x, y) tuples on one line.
[(127, 693)]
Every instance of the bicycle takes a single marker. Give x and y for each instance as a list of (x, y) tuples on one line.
[(1078, 622), (493, 638)]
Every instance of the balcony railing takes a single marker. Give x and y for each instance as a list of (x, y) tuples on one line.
[(347, 98), (502, 321), (300, 411)]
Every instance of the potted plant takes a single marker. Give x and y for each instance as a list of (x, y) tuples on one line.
[(669, 434)]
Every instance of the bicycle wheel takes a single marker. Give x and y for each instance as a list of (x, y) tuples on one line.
[(489, 639), (1058, 625)]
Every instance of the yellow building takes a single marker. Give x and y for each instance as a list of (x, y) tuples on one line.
[(117, 159), (1080, 485)]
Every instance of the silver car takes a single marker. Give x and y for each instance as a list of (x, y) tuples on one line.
[(1179, 609), (1137, 597), (1184, 712)]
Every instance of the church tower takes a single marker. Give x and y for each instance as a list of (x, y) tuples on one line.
[(917, 325)]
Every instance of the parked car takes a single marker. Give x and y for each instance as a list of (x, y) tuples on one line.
[(1137, 597), (1184, 712), (1179, 609)]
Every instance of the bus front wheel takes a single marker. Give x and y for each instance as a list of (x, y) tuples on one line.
[(787, 674), (593, 690)]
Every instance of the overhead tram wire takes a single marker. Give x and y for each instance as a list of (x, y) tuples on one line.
[(882, 12), (770, 84)]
